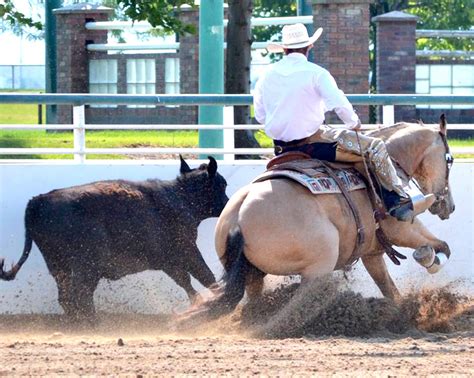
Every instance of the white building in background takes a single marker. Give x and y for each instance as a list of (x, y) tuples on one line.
[(23, 56)]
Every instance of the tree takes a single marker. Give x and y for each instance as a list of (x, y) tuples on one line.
[(238, 57), (272, 8), (240, 35), (12, 19), (439, 14), (159, 13)]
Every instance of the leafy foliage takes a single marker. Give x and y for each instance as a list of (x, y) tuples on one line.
[(11, 18), (437, 15), (271, 8), (158, 13)]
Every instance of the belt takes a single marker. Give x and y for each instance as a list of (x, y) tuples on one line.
[(291, 143), (280, 146)]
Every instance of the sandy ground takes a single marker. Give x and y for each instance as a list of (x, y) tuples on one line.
[(429, 334), (58, 353)]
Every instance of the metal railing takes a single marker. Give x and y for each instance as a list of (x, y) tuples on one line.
[(426, 33), (145, 25), (79, 126)]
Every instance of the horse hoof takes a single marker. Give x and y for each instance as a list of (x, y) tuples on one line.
[(439, 261), (425, 256)]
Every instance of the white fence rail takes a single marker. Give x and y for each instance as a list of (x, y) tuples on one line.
[(79, 126), (80, 151)]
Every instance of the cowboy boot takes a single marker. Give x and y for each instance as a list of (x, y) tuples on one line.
[(420, 202), (406, 208), (397, 206)]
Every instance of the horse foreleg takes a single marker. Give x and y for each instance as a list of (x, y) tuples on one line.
[(377, 269), (430, 252)]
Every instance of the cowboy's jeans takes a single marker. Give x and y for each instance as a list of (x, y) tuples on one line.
[(348, 150)]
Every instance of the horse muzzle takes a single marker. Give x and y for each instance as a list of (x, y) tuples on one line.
[(443, 207)]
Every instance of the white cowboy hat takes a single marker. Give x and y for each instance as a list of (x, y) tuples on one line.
[(294, 37)]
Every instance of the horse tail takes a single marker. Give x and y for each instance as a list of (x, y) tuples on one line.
[(237, 268)]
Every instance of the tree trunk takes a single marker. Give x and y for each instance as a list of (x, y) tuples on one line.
[(238, 56)]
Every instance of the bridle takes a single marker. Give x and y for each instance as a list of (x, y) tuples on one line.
[(442, 194)]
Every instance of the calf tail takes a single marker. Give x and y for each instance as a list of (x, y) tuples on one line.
[(234, 279), (11, 274)]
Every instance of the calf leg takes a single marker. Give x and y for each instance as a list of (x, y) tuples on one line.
[(183, 279), (65, 293), (76, 295), (197, 267), (375, 265), (84, 288), (82, 293)]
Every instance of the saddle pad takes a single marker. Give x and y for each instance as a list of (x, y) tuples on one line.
[(319, 182)]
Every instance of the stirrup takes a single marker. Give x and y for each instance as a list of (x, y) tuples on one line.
[(420, 202)]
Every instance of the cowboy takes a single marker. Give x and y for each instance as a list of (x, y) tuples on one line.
[(291, 99)]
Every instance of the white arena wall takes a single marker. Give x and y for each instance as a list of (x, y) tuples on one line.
[(34, 290)]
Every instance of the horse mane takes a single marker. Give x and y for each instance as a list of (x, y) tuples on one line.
[(385, 132)]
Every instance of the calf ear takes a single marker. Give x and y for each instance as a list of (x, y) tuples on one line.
[(184, 166), (442, 124), (212, 167)]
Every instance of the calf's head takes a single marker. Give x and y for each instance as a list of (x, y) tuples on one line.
[(204, 188)]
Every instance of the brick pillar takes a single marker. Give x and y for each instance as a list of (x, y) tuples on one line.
[(343, 48), (396, 58), (189, 63), (73, 57)]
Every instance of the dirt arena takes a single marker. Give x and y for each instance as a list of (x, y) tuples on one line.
[(291, 331)]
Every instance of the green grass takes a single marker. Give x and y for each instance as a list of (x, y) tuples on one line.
[(20, 113), (94, 139), (462, 143), (121, 138)]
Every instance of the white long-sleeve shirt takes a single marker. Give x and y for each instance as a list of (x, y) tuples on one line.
[(292, 97)]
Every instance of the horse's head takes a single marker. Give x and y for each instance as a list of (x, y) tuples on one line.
[(432, 173)]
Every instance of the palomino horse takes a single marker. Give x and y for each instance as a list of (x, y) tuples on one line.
[(278, 227)]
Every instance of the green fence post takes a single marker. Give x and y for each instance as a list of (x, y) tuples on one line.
[(50, 67), (305, 8), (211, 69)]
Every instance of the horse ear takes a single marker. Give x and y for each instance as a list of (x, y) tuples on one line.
[(184, 166), (212, 167), (442, 124)]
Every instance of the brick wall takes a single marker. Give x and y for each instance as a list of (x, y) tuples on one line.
[(343, 48), (73, 69), (72, 55), (396, 58)]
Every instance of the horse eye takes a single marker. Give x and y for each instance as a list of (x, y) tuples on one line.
[(449, 160)]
